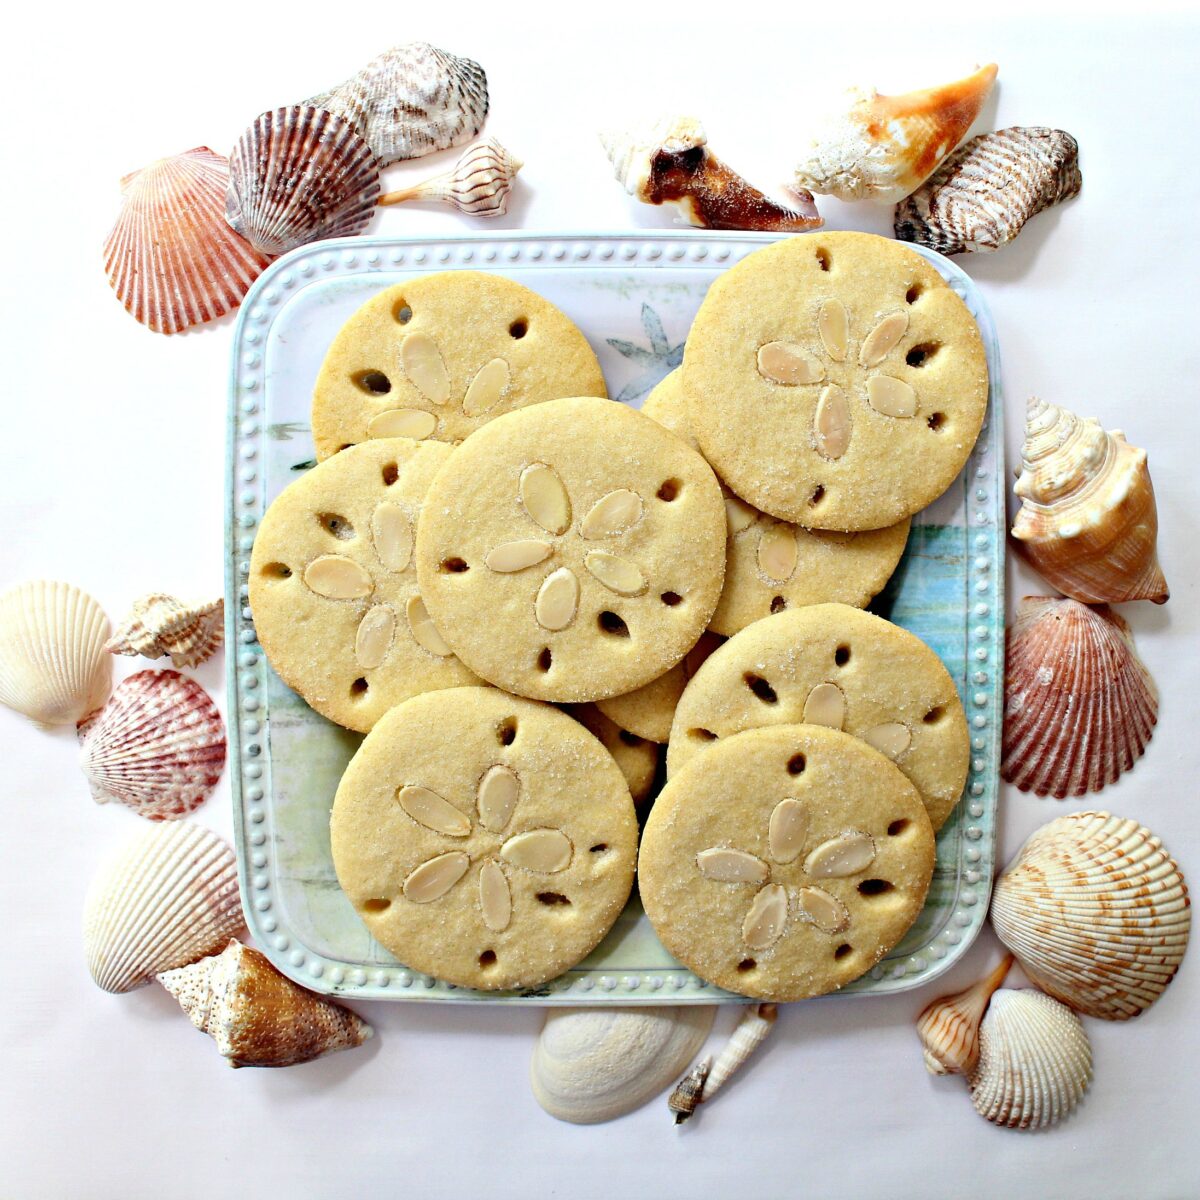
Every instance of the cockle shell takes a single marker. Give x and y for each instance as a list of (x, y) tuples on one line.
[(1035, 1061), (980, 198), (171, 257), (412, 100), (949, 1027), (158, 746), (258, 1017), (478, 184), (885, 147), (159, 624), (1088, 523), (1079, 706), (299, 175), (594, 1064), (167, 897), (670, 163), (1096, 912), (53, 668)]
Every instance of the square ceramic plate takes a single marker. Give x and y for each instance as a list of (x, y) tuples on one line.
[(634, 297)]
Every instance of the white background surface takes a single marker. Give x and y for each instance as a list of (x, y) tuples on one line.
[(112, 478)]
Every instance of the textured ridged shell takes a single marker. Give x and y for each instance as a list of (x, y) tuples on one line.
[(53, 668), (158, 746), (1088, 523), (299, 175), (949, 1027), (478, 184), (171, 257), (1096, 912), (167, 897), (1035, 1061), (980, 198), (412, 100), (1079, 706), (258, 1017), (755, 1024), (159, 624)]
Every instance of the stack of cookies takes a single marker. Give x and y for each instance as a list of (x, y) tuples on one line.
[(486, 538)]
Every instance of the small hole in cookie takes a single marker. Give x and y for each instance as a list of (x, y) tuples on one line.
[(669, 490), (778, 604), (844, 949), (670, 599), (896, 828), (914, 293), (519, 328), (336, 526), (841, 655), (702, 735), (506, 731), (817, 495), (920, 356), (358, 688), (553, 898), (487, 959), (935, 421), (276, 571), (934, 715), (630, 739), (874, 887), (390, 473), (612, 624), (598, 848), (796, 764), (376, 905), (760, 687), (402, 312), (376, 383), (747, 964), (453, 566), (544, 659), (823, 259)]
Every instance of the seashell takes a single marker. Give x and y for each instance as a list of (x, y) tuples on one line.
[(755, 1024), (885, 147), (158, 746), (949, 1027), (299, 175), (670, 163), (1096, 912), (159, 624), (688, 1091), (1035, 1061), (1087, 522), (594, 1064), (53, 668), (1079, 706), (412, 100), (258, 1017), (980, 198), (478, 184), (171, 257), (167, 897)]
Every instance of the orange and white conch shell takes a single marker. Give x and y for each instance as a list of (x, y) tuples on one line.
[(949, 1027), (885, 147)]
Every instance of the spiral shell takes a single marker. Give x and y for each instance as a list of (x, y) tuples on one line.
[(159, 624), (478, 184), (1088, 523), (167, 897), (1096, 912), (949, 1027)]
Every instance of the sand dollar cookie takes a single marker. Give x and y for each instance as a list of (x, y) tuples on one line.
[(333, 586), (837, 666), (636, 756), (572, 551), (438, 356), (835, 380), (785, 862), (486, 840)]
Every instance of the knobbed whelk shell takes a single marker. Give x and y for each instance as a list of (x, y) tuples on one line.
[(167, 897), (949, 1027), (1035, 1061), (885, 147), (1088, 523), (478, 184), (980, 198), (53, 668), (1096, 912), (594, 1064), (1079, 706), (258, 1017), (159, 624), (670, 163)]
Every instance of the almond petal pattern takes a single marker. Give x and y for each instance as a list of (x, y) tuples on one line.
[(433, 879), (618, 574), (424, 632), (834, 327), (516, 556), (891, 397), (413, 423), (891, 738), (826, 912), (788, 364), (423, 364), (374, 637), (427, 808), (831, 423), (498, 792), (495, 896), (787, 830), (544, 498), (557, 600), (393, 536), (777, 552), (882, 339), (846, 854), (543, 850), (765, 922), (338, 578), (826, 705), (613, 513), (484, 391), (731, 866)]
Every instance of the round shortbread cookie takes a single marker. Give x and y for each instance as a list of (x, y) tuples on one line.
[(572, 551), (485, 840), (835, 380), (333, 587), (785, 862), (636, 756), (833, 665), (439, 356)]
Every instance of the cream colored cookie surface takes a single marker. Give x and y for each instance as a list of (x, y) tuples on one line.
[(835, 380), (483, 839), (439, 356), (836, 666), (572, 551), (333, 586), (785, 862), (636, 756)]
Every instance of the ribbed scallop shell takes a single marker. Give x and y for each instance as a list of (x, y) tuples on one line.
[(1088, 523), (1096, 912), (1079, 706), (980, 198), (478, 184), (159, 624), (1035, 1061), (53, 668), (171, 257), (167, 897), (949, 1027), (299, 175), (158, 746), (412, 100)]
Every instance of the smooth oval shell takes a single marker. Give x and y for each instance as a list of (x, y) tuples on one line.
[(159, 625)]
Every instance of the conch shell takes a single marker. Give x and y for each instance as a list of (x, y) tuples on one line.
[(949, 1027), (1088, 522), (159, 624), (885, 147), (478, 184)]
